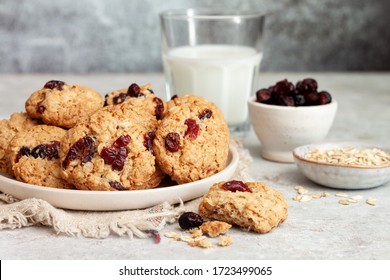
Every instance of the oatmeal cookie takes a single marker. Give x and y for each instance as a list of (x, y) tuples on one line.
[(251, 205), (60, 104), (111, 151), (34, 156), (9, 127), (133, 92), (139, 100), (192, 140), (140, 96)]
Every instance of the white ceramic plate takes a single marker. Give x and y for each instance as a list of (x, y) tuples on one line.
[(124, 200), (343, 177)]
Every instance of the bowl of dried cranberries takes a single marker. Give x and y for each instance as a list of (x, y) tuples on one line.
[(286, 115)]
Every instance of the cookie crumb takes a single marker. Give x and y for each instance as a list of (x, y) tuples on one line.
[(215, 228), (197, 239), (202, 243), (195, 232), (225, 241)]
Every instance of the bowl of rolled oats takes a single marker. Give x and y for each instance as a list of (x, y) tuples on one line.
[(345, 165)]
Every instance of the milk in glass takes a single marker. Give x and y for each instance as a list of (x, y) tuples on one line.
[(223, 74)]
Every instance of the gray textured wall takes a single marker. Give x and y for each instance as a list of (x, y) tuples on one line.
[(123, 36)]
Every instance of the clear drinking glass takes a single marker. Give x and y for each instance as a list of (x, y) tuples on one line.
[(214, 54)]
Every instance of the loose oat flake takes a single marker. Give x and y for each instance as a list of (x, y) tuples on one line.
[(371, 201), (357, 197), (302, 190), (341, 194), (303, 195), (344, 201)]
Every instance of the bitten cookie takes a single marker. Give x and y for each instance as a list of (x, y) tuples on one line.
[(60, 104), (111, 151), (251, 205), (34, 156), (192, 140), (8, 128)]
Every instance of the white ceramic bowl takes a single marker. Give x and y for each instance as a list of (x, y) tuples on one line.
[(337, 176), (280, 129)]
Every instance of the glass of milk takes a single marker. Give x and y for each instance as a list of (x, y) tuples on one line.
[(214, 54)]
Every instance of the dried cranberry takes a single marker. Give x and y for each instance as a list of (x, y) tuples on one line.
[(46, 151), (108, 155), (40, 108), (192, 128), (206, 114), (38, 151), (172, 141), (120, 159), (155, 234), (324, 97), (236, 186), (134, 91), (23, 151), (311, 98), (299, 100), (286, 100), (189, 220), (120, 98), (306, 86), (148, 141), (122, 141), (116, 154), (105, 100), (159, 108), (54, 85), (116, 185), (284, 87), (52, 150), (83, 149), (263, 95)]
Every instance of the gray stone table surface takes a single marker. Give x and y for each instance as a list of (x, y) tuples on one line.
[(320, 229)]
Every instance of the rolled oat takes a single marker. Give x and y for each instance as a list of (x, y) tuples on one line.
[(344, 202), (371, 201), (350, 156)]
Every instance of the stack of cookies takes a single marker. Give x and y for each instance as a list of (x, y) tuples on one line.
[(71, 137)]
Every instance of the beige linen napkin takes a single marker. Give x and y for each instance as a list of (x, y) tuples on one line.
[(140, 223)]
